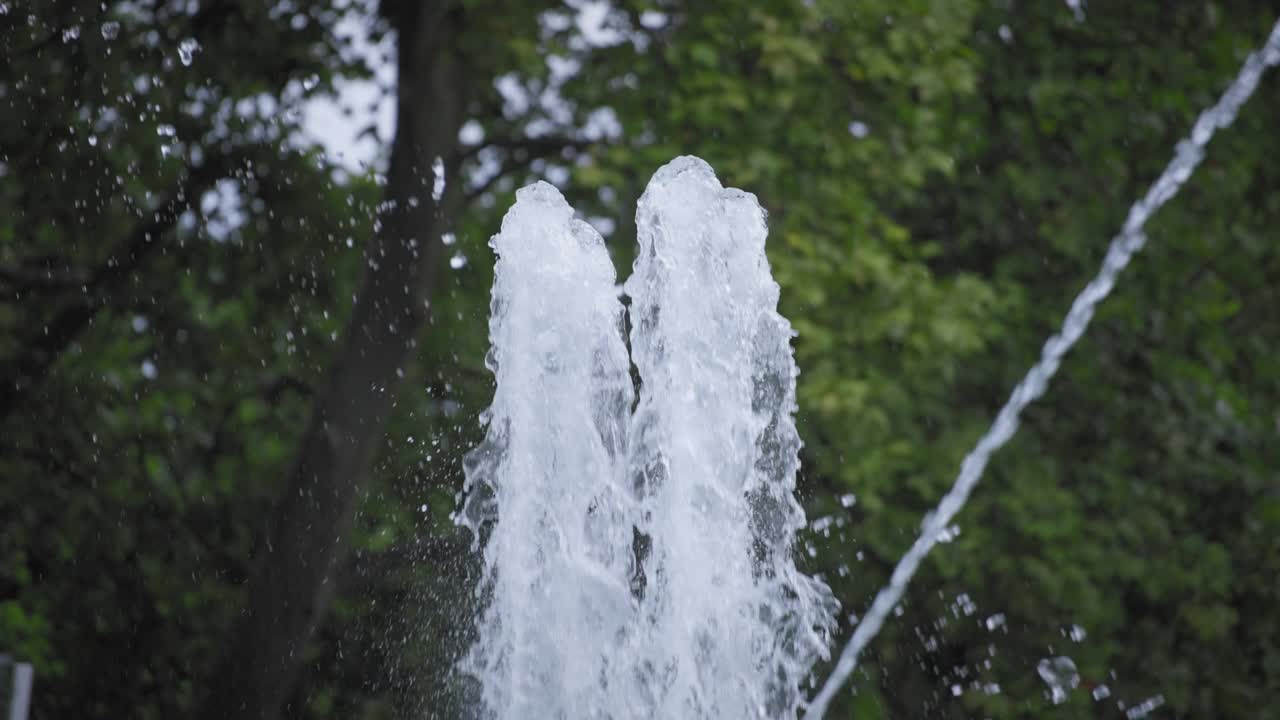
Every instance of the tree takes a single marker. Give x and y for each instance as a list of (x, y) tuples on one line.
[(1132, 504), (188, 295), (153, 353), (288, 589), (939, 178)]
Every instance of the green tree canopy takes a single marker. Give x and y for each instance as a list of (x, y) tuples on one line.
[(179, 266)]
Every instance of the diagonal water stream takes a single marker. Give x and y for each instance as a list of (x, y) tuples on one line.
[(1188, 155)]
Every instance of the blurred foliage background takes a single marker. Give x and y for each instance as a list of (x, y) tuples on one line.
[(182, 270)]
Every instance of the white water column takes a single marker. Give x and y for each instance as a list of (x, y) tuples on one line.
[(546, 487)]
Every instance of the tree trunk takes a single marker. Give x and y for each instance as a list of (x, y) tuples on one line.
[(289, 586)]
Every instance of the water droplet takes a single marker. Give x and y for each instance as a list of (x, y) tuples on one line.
[(458, 261), (1060, 675), (139, 323), (423, 507), (858, 129), (149, 370), (1144, 708), (848, 499), (947, 534), (1006, 34), (450, 238), (110, 30), (437, 171), (93, 141), (71, 33), (995, 621), (1102, 692), (310, 82), (1077, 633), (187, 50)]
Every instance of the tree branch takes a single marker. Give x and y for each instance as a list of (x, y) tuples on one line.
[(41, 347), (23, 278), (522, 153), (538, 146)]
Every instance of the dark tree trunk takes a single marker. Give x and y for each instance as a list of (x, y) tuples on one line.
[(293, 573)]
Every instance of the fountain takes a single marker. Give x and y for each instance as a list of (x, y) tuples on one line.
[(714, 457), (552, 467), (639, 562)]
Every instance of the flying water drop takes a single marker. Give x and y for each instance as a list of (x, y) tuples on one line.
[(1060, 674), (1144, 708), (438, 179), (187, 50)]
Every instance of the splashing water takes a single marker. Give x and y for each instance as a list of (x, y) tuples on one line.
[(714, 457), (1131, 239), (558, 565), (641, 565), (1060, 675)]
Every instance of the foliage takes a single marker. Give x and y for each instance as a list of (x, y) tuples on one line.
[(158, 346), (941, 177)]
